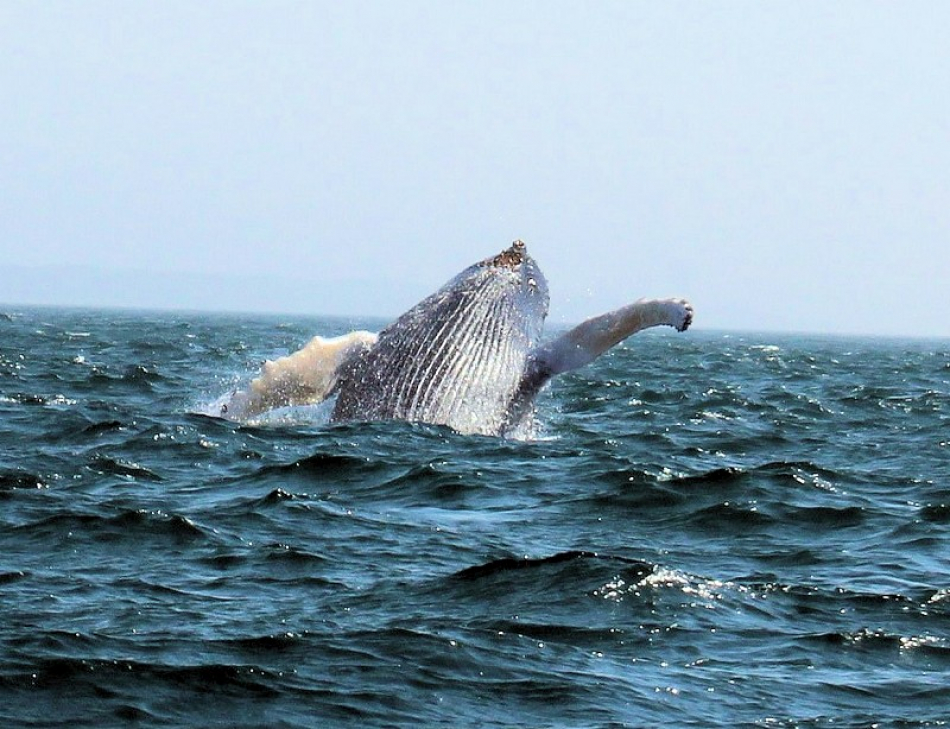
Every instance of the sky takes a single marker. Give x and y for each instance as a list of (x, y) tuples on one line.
[(785, 166)]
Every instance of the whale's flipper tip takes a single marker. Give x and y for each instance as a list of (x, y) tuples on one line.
[(685, 313)]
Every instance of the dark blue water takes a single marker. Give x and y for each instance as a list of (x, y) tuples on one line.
[(710, 530)]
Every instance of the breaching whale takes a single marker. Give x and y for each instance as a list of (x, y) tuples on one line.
[(469, 356)]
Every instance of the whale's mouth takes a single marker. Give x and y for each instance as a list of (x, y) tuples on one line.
[(510, 258)]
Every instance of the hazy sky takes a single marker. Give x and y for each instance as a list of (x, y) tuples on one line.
[(786, 166)]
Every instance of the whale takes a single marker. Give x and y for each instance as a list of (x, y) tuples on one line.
[(470, 356)]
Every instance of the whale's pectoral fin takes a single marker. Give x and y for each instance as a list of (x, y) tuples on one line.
[(305, 377), (587, 341)]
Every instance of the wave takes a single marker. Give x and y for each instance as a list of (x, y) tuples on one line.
[(935, 513), (109, 675), (100, 427), (14, 576), (505, 565), (20, 479), (124, 526), (321, 465), (38, 399), (561, 578), (106, 466), (133, 380)]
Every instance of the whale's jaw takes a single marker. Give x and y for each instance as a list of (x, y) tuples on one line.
[(458, 357)]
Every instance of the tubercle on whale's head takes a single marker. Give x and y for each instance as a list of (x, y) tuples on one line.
[(516, 259), (510, 257)]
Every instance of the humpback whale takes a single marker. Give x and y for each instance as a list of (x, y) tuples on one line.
[(469, 356)]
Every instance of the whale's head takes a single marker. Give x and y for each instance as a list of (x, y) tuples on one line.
[(458, 356)]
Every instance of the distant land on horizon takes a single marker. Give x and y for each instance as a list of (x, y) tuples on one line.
[(357, 298)]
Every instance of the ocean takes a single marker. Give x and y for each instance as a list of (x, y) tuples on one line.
[(709, 529)]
